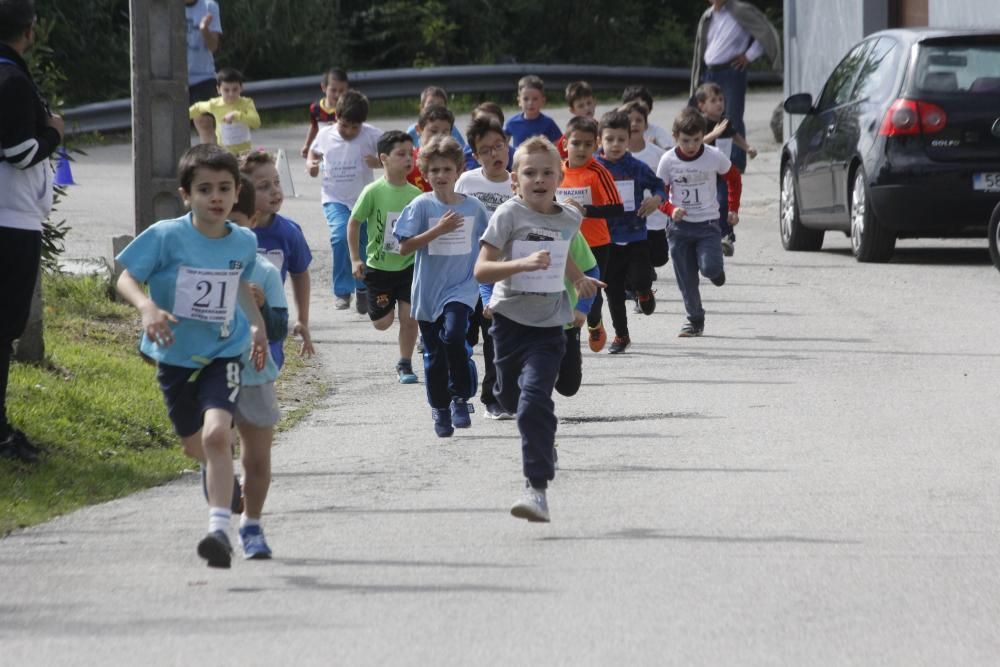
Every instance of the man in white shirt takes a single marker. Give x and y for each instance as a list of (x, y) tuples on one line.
[(731, 35)]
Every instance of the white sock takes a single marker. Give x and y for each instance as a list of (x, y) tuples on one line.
[(218, 519), (247, 521)]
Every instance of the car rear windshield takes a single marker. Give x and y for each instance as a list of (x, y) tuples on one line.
[(954, 67)]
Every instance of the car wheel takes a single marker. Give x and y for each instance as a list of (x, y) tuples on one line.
[(870, 241), (995, 237), (793, 235)]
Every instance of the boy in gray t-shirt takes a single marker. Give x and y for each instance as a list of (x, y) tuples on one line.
[(525, 252)]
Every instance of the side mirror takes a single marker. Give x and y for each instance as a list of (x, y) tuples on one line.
[(799, 104)]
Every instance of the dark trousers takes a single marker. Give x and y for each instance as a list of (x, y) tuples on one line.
[(734, 88), (449, 369), (629, 264), (490, 369), (601, 254), (571, 368), (20, 255), (528, 361), (695, 247), (659, 251), (722, 195)]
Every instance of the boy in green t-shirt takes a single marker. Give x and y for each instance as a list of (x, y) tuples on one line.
[(387, 274), (571, 370)]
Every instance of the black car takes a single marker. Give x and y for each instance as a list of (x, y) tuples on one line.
[(903, 142)]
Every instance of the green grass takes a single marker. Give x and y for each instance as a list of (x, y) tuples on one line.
[(96, 408)]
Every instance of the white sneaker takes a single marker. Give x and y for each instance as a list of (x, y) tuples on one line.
[(342, 302), (532, 506), (728, 247)]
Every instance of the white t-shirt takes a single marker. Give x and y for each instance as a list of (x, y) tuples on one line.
[(692, 183), (344, 171), (659, 136), (491, 194), (650, 155)]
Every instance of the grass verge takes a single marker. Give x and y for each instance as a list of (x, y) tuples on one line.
[(96, 408)]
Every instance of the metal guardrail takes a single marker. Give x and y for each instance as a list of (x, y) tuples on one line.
[(394, 83)]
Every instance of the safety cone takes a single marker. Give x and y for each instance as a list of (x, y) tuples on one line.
[(285, 174), (64, 176)]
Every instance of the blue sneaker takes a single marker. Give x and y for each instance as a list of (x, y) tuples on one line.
[(442, 422), (460, 410), (406, 374), (215, 548), (236, 505), (253, 543)]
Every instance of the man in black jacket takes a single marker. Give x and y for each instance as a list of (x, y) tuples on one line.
[(28, 135)]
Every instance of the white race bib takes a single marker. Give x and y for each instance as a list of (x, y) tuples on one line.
[(580, 195), (547, 280), (626, 190), (389, 242), (233, 134), (206, 295), (458, 242), (275, 255)]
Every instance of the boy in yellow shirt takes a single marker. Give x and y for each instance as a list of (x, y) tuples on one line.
[(226, 120)]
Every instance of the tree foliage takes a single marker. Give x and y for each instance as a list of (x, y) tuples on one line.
[(280, 38)]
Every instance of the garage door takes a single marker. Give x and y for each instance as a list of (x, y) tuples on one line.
[(907, 13)]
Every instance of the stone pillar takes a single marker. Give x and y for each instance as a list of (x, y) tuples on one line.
[(160, 130)]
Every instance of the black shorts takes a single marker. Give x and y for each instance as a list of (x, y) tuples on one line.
[(385, 288), (659, 250), (189, 392)]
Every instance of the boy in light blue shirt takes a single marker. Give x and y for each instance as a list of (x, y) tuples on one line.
[(197, 267), (443, 229)]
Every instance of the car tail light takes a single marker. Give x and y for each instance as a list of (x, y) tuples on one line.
[(907, 117)]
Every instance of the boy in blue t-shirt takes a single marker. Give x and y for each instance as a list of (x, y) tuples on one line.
[(443, 229), (432, 96), (197, 268), (629, 261), (531, 121), (282, 243)]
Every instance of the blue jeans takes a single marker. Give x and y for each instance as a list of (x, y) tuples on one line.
[(694, 247), (343, 281), (449, 369), (734, 88), (527, 360)]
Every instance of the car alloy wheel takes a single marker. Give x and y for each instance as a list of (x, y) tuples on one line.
[(859, 209), (870, 240), (793, 235), (787, 206)]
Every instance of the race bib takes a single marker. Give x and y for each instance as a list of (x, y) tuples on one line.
[(233, 134), (458, 242), (276, 256), (547, 280), (626, 190), (206, 295), (389, 242), (580, 195)]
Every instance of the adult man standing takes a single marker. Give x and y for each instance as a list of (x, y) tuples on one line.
[(731, 35), (28, 135), (204, 34)]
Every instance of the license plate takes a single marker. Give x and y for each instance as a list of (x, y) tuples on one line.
[(989, 181)]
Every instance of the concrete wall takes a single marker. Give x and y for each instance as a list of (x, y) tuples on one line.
[(819, 33)]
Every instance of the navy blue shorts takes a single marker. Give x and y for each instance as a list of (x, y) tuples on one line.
[(189, 392)]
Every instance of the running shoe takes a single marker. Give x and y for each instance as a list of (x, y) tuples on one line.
[(719, 280), (532, 506), (691, 330), (460, 409), (598, 337), (619, 344), (647, 302), (361, 301), (253, 543), (215, 548), (405, 374), (442, 422), (342, 302), (494, 411)]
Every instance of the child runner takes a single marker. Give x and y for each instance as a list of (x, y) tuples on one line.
[(654, 133), (433, 122), (282, 243), (233, 115), (443, 227), (388, 275), (581, 102), (492, 185), (587, 183), (689, 171), (196, 266), (324, 110), (257, 410), (348, 152), (650, 154), (722, 135), (525, 253), (433, 96), (531, 121), (629, 260)]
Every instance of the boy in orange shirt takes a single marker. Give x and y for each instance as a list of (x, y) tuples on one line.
[(591, 186)]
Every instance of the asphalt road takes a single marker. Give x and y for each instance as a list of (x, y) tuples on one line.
[(812, 482)]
